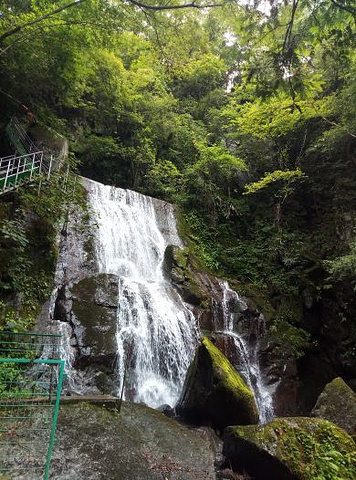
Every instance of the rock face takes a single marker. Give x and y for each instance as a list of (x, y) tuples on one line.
[(229, 320), (297, 448), (178, 270), (89, 308), (337, 403), (333, 355), (214, 392), (94, 318), (139, 443)]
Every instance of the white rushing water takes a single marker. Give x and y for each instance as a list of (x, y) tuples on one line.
[(156, 333), (248, 367)]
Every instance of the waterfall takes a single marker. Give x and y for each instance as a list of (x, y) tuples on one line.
[(248, 364), (156, 333)]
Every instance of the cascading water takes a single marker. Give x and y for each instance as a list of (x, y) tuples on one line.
[(248, 366), (156, 333)]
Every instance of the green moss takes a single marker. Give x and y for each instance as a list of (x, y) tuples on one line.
[(227, 374), (181, 257), (337, 403), (214, 393), (338, 385), (180, 264), (313, 449)]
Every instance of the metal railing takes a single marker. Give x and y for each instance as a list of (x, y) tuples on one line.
[(15, 170), (30, 389), (18, 136)]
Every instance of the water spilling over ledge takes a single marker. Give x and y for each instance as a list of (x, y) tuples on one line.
[(248, 367), (123, 313), (156, 333)]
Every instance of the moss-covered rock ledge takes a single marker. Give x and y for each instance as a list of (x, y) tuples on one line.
[(214, 393), (298, 448)]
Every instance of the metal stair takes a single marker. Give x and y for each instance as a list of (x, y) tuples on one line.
[(26, 164)]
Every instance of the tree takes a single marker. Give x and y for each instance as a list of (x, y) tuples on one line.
[(283, 183), (32, 18)]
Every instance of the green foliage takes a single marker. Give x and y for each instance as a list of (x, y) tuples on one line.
[(287, 176), (27, 246), (164, 180), (343, 268), (196, 108), (11, 319), (203, 244), (288, 338), (276, 116), (200, 77)]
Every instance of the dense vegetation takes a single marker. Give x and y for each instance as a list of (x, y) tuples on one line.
[(242, 115)]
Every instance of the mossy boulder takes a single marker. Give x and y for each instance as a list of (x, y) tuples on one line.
[(299, 448), (337, 403), (214, 393)]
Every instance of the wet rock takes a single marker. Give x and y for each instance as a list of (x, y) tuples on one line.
[(76, 257), (337, 403), (281, 371), (297, 448), (330, 322), (94, 319), (227, 474), (176, 268), (63, 305), (167, 410), (89, 309), (214, 392)]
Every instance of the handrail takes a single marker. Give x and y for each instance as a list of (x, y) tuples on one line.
[(28, 162), (13, 170), (9, 156), (22, 135)]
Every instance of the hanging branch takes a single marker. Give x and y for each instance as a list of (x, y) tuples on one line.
[(347, 8), (334, 124), (288, 35), (18, 28), (76, 3), (174, 7)]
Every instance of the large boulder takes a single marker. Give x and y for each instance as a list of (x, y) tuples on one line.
[(94, 317), (88, 311), (337, 403), (297, 448), (97, 443), (214, 393)]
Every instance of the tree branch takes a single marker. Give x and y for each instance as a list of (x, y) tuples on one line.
[(288, 36), (334, 124), (18, 28), (75, 3), (174, 7), (347, 8)]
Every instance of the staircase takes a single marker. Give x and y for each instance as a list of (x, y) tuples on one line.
[(25, 164)]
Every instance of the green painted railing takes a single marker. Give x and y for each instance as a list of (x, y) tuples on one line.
[(17, 134), (27, 163), (15, 170), (30, 389)]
